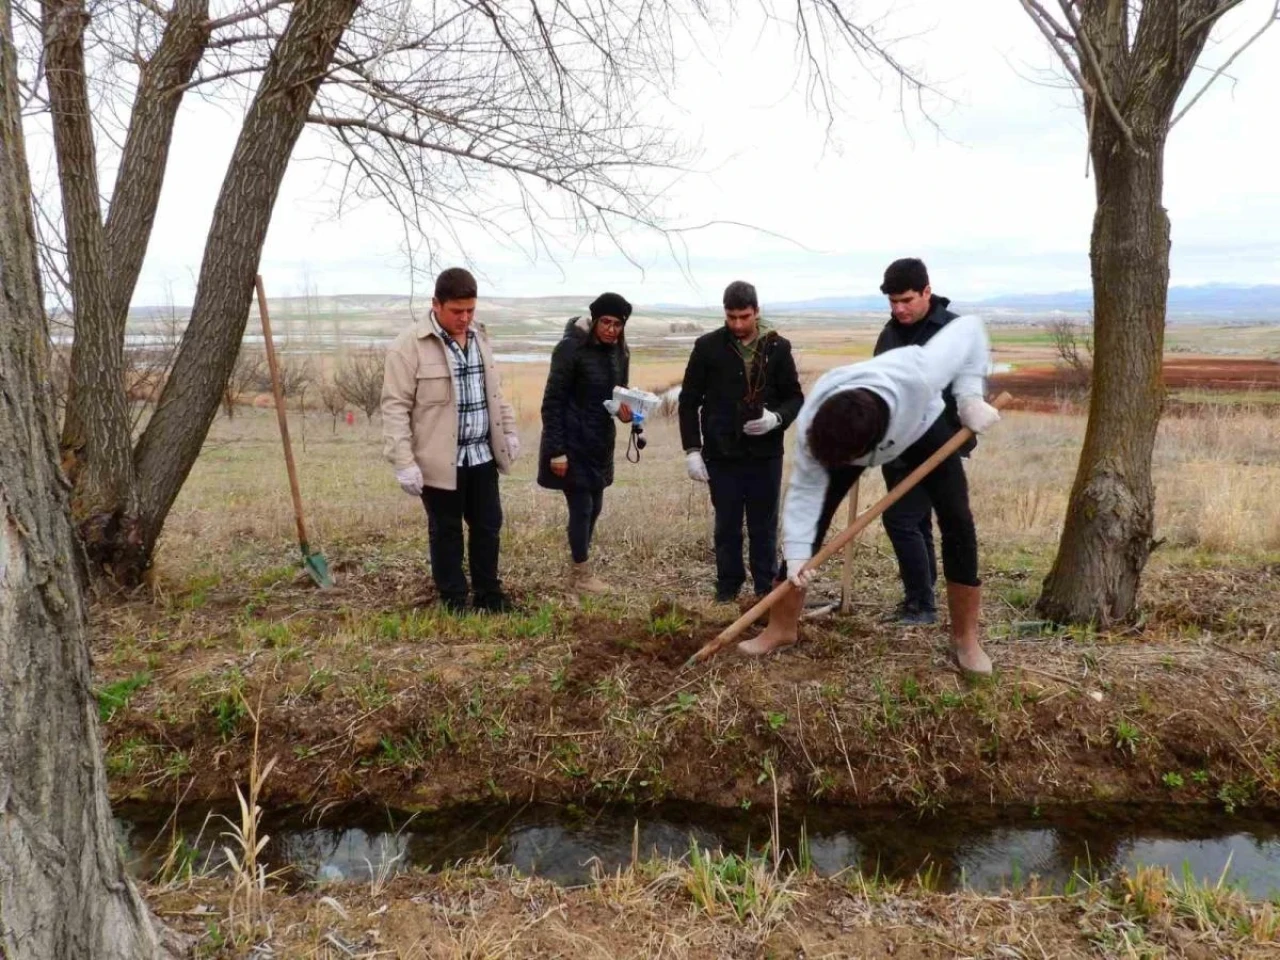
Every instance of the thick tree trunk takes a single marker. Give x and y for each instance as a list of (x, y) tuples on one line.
[(1108, 532), (189, 402), (96, 447), (146, 149), (63, 888)]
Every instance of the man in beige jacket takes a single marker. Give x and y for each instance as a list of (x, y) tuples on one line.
[(448, 432)]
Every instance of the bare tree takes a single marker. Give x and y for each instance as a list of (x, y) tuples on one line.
[(247, 374), (358, 378), (333, 402), (64, 890), (1073, 346), (458, 111), (1130, 62)]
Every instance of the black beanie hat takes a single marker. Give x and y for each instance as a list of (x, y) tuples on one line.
[(610, 305)]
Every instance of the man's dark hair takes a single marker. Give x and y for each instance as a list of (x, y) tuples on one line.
[(904, 275), (740, 295), (456, 284), (846, 426)]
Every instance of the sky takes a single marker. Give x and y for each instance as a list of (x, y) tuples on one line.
[(994, 197)]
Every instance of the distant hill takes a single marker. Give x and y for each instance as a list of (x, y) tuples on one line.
[(1213, 299)]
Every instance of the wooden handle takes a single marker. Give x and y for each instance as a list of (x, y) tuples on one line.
[(846, 576), (731, 632), (278, 391)]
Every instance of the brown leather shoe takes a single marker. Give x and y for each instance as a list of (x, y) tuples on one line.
[(965, 605), (583, 580)]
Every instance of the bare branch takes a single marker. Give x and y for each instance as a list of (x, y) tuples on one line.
[(1270, 22), (1056, 35), (1100, 87), (251, 14)]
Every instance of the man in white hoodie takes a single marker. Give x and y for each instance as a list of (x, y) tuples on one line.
[(867, 414)]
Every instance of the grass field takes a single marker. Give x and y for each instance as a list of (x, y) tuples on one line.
[(369, 692)]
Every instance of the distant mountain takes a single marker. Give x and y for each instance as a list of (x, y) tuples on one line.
[(1212, 299)]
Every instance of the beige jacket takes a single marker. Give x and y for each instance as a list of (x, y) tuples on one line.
[(419, 406)]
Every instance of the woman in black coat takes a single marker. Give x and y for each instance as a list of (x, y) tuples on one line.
[(575, 453)]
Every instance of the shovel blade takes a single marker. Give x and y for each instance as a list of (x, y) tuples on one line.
[(317, 569)]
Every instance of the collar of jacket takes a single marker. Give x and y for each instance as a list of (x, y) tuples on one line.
[(935, 317), (432, 328), (764, 335)]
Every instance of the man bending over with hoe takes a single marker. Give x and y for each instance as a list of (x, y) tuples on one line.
[(867, 414)]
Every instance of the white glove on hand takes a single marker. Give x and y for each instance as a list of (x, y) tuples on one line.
[(697, 468), (410, 480), (800, 579), (513, 445), (761, 425), (977, 414), (612, 406)]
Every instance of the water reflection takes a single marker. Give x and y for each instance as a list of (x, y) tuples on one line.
[(981, 848)]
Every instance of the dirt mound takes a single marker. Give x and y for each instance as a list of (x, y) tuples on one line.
[(655, 649)]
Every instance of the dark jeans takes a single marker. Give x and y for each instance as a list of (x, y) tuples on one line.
[(475, 500), (750, 487), (585, 504), (908, 523)]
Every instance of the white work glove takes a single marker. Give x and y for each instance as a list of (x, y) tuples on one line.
[(612, 406), (410, 480), (800, 579), (513, 445), (761, 425), (696, 466), (977, 414)]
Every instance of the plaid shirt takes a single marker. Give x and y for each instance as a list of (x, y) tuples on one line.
[(473, 406)]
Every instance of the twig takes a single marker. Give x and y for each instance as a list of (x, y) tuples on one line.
[(1270, 22)]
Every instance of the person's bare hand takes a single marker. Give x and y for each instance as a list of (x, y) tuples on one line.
[(624, 413), (559, 466)]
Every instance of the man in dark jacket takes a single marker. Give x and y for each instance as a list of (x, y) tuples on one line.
[(575, 454), (740, 394), (918, 314)]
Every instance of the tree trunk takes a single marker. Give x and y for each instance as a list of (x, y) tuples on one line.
[(1108, 532), (96, 448), (189, 402), (63, 888)]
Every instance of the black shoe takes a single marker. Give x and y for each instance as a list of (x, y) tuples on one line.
[(915, 615), (727, 595), (493, 603), (453, 603)]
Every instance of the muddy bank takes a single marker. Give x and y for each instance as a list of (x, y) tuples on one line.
[(418, 710)]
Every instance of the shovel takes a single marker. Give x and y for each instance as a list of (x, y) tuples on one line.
[(312, 561), (837, 543)]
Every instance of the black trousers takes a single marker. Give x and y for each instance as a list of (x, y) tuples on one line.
[(585, 504), (909, 522), (475, 500), (751, 488), (948, 491)]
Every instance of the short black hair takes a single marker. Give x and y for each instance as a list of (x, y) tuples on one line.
[(846, 426), (904, 275), (740, 295), (455, 284)]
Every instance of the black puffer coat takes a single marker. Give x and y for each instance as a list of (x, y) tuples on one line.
[(575, 423)]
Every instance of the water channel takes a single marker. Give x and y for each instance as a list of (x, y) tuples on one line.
[(984, 848)]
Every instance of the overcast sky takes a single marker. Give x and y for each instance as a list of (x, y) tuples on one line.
[(997, 202)]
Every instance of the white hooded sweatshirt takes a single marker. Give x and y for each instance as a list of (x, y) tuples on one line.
[(910, 380)]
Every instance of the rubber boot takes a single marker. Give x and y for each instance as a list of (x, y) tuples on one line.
[(784, 618), (964, 604), (582, 580)]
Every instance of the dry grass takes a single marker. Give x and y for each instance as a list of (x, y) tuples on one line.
[(1215, 476), (470, 913)]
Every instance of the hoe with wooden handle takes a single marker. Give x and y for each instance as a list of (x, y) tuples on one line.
[(836, 544)]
